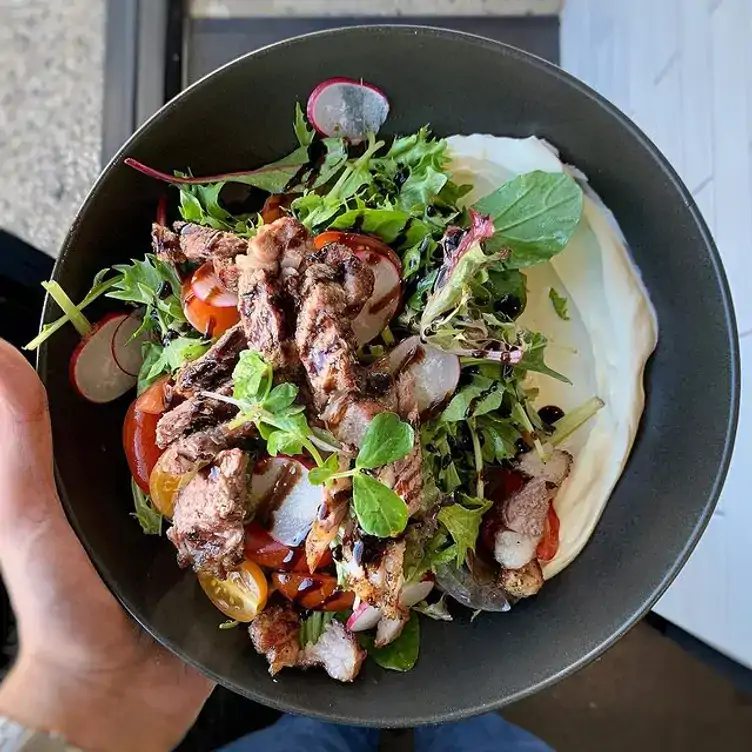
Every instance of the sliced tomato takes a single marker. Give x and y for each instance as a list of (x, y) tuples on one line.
[(318, 592), (549, 543), (266, 551), (154, 399), (140, 444), (242, 596), (210, 320), (357, 243), (163, 489), (207, 287)]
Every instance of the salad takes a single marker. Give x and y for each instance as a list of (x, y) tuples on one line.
[(340, 418)]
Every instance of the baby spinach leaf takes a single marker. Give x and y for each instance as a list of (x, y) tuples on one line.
[(379, 510), (535, 215), (560, 304), (402, 654), (387, 439)]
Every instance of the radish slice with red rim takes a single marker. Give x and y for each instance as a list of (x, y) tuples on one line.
[(364, 617), (127, 351), (347, 108), (385, 299), (436, 372), (207, 287), (284, 500), (94, 372)]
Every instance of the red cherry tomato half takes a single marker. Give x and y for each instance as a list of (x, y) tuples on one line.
[(267, 552), (357, 243), (549, 543), (140, 444), (211, 321), (318, 592), (154, 400)]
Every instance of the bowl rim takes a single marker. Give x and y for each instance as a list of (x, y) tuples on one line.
[(566, 79)]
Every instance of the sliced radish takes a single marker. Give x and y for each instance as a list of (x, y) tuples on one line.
[(207, 287), (436, 372), (364, 617), (284, 500), (385, 299), (94, 372), (347, 108), (415, 592), (127, 351)]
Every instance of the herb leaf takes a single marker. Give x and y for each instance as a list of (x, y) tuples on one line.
[(319, 475), (535, 215), (179, 351), (463, 524), (148, 517), (252, 377), (303, 132), (481, 396), (559, 303), (379, 510), (387, 439), (402, 654)]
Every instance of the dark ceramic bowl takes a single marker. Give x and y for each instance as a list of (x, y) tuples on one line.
[(240, 117)]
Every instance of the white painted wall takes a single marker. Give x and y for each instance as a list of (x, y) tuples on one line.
[(682, 70)]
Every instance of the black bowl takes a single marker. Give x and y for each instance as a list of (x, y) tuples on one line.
[(240, 117)]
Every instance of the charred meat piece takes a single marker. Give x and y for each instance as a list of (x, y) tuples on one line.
[(377, 576), (199, 243), (348, 415), (166, 244), (214, 367), (520, 520), (337, 651), (262, 316), (207, 526), (284, 243), (193, 414), (336, 262), (522, 582), (274, 633), (388, 630)]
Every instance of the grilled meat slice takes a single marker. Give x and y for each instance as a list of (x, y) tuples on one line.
[(274, 633), (284, 243), (388, 630), (199, 243), (521, 520), (214, 367), (379, 580), (193, 414), (207, 525), (166, 244), (335, 262), (337, 651), (262, 315), (522, 582)]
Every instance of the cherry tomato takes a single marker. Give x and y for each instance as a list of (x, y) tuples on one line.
[(549, 543), (153, 400), (163, 489), (266, 551), (358, 243), (140, 444), (318, 592), (211, 321), (242, 596)]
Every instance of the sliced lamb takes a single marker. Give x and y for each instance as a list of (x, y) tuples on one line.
[(166, 244), (376, 578), (274, 633), (193, 414), (282, 244), (207, 525), (522, 518), (522, 582), (214, 367), (337, 650), (199, 243)]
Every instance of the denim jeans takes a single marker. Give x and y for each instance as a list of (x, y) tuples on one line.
[(486, 733)]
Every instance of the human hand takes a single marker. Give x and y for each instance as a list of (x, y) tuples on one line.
[(85, 670)]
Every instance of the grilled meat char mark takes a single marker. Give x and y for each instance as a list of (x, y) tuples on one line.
[(214, 367), (193, 414), (207, 525)]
